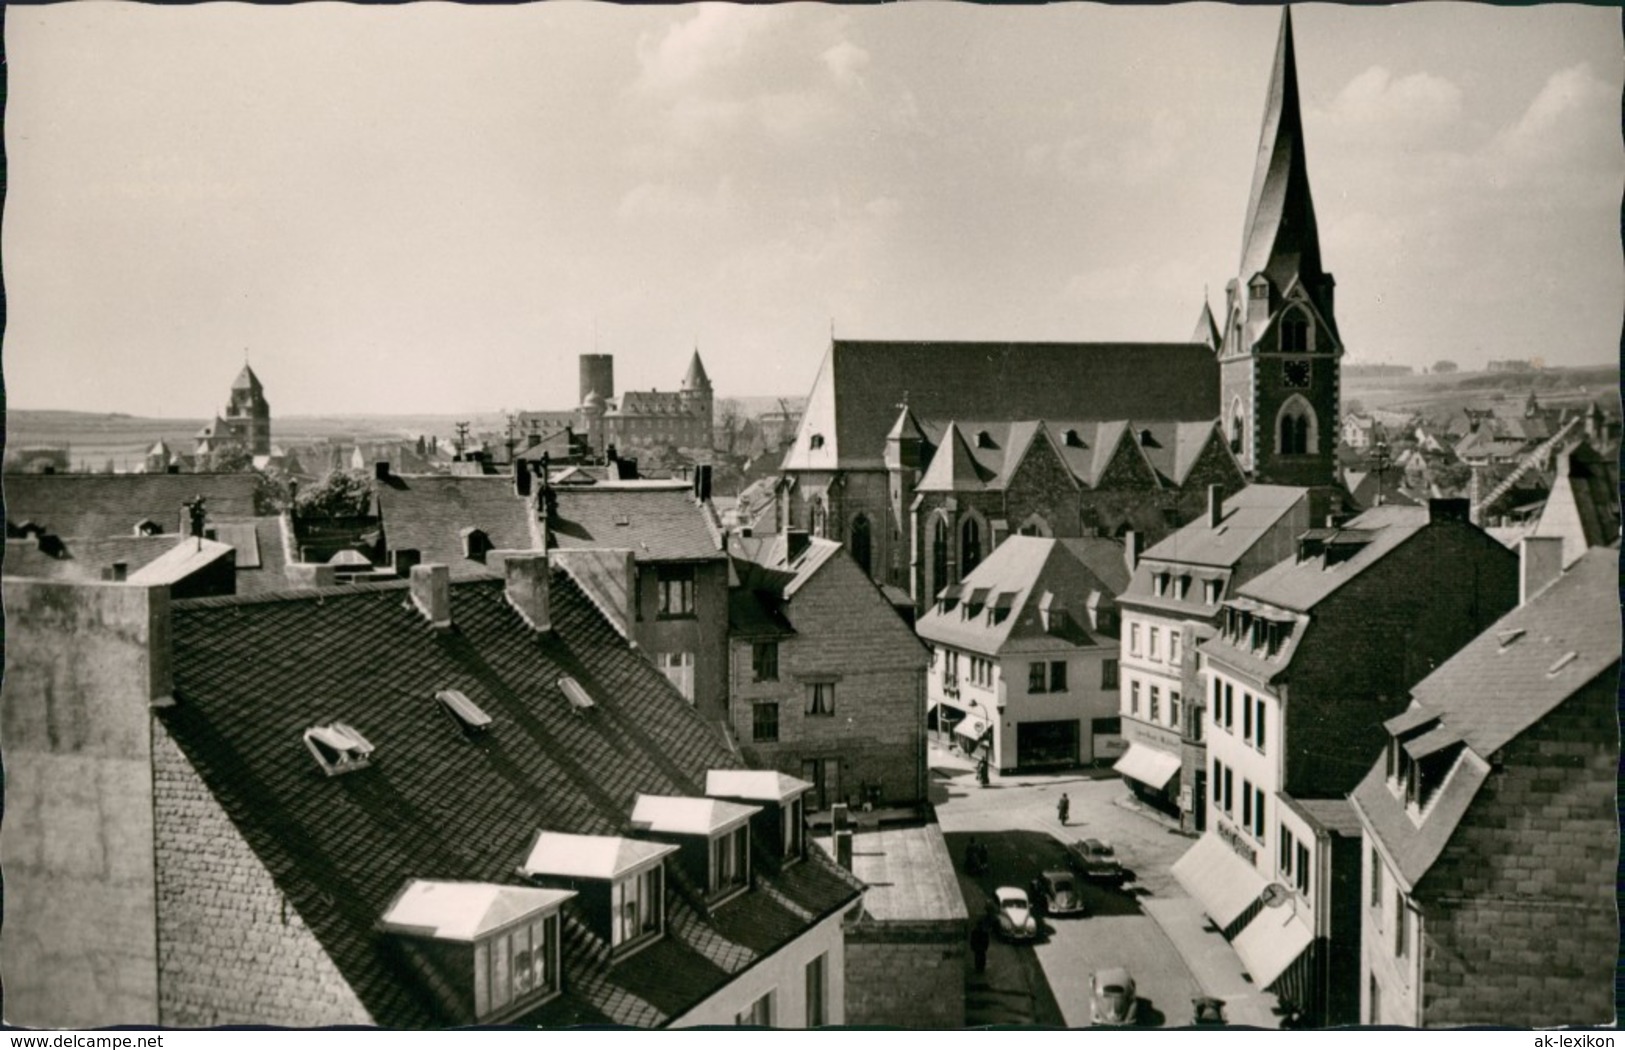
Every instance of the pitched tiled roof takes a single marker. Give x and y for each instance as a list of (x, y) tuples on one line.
[(854, 400), (269, 574), (252, 674), (1243, 520), (658, 520), (84, 559), (112, 504), (1494, 689), (1301, 585), (1587, 490), (428, 512), (1021, 572), (984, 454)]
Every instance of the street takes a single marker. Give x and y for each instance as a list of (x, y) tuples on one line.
[(1047, 982)]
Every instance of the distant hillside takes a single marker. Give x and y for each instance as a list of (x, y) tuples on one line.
[(1444, 395)]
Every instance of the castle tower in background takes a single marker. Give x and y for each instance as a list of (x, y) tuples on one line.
[(1280, 357), (679, 419), (248, 414)]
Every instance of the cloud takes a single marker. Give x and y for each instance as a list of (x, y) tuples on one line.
[(1377, 103), (846, 62), (1569, 136), (1145, 151), (716, 37), (663, 201)]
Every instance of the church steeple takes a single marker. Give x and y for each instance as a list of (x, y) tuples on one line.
[(1282, 240)]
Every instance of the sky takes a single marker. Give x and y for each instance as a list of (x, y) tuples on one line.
[(436, 208)]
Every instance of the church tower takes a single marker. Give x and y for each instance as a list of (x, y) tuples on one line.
[(248, 414), (1279, 359), (695, 396)]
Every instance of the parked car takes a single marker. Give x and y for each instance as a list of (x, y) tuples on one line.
[(1059, 894), (1013, 913), (1112, 997), (1095, 860), (1206, 1010)]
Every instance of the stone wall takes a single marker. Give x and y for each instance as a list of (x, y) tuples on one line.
[(906, 974), (1519, 918), (847, 633), (231, 949), (84, 662)]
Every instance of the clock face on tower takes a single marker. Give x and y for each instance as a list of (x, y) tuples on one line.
[(1296, 374)]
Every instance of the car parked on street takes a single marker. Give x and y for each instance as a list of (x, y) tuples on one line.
[(1058, 893), (1013, 914), (1095, 860), (1206, 1011), (1112, 998)]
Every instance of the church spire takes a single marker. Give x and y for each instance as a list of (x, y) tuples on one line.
[(1282, 240)]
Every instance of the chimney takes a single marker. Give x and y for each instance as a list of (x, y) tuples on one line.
[(795, 542), (1131, 549), (702, 483), (843, 848), (310, 574), (402, 560), (521, 479), (526, 577), (380, 470), (1540, 561), (1447, 510), (1215, 506), (431, 593), (173, 468)]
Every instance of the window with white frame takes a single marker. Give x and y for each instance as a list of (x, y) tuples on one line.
[(676, 591), (1173, 709), (638, 906), (1152, 647), (1154, 704), (519, 963), (1133, 697), (818, 991), (679, 670), (730, 861), (1173, 647), (1134, 639), (821, 699)]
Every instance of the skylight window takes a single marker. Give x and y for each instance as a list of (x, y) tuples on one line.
[(338, 747), (1562, 662), (466, 713), (576, 695), (1505, 639)]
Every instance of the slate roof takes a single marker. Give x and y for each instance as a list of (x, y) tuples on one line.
[(1494, 689), (658, 520), (854, 399), (1587, 482), (1282, 240), (268, 573), (1301, 585), (427, 513), (111, 504), (1019, 574), (974, 455), (695, 378), (250, 675), (85, 558), (762, 580)]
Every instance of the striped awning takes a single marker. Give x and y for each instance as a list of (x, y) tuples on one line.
[(1225, 884), (1271, 943), (1149, 766)]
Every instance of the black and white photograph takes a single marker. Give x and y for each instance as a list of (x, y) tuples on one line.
[(920, 515)]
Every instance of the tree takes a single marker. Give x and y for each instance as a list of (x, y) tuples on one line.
[(1441, 368), (229, 458), (272, 493), (342, 494)]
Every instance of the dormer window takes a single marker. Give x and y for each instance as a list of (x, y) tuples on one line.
[(713, 838), (475, 542), (495, 947), (1183, 590), (1159, 584), (339, 748), (148, 527), (816, 441), (622, 882), (1210, 592)]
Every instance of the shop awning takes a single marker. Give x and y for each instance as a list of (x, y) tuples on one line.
[(971, 729), (1149, 766), (1271, 943), (1225, 884)]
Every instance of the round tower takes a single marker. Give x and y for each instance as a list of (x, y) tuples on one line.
[(597, 376)]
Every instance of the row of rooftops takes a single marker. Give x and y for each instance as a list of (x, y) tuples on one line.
[(984, 456), (467, 752)]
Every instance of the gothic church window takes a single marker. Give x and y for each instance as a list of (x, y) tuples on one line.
[(939, 556), (860, 542), (1296, 430), (970, 547)]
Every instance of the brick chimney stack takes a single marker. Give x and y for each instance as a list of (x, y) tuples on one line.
[(431, 593), (1215, 506), (527, 580)]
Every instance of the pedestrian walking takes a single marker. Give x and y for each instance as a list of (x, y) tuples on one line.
[(981, 772), (978, 945), (1063, 808)]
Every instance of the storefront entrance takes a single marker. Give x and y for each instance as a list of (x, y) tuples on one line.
[(1047, 744)]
